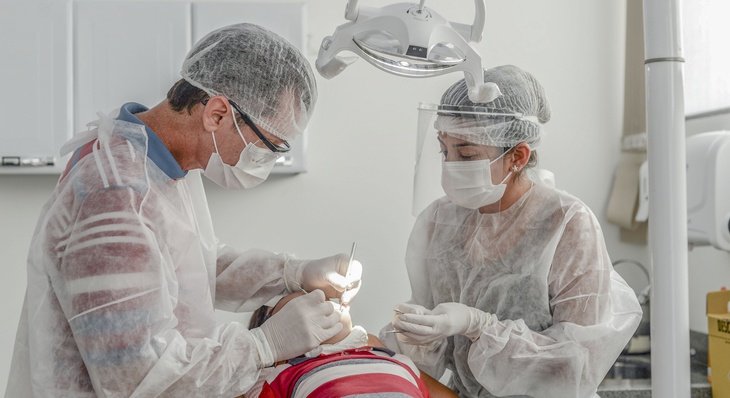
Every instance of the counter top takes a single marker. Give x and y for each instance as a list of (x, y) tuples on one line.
[(641, 388)]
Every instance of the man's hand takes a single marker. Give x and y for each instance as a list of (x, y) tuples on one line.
[(300, 326), (330, 274)]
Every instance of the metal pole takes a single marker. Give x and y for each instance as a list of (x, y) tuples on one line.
[(670, 359)]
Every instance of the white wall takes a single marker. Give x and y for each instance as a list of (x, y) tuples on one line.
[(361, 151)]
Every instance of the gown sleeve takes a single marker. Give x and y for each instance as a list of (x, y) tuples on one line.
[(119, 298), (246, 280)]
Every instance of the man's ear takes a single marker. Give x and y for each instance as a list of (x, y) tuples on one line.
[(214, 111)]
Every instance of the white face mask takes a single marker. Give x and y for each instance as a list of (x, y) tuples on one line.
[(253, 166), (469, 183)]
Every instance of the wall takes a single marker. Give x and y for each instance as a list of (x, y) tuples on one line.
[(361, 148)]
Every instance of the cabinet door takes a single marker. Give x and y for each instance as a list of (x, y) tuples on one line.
[(126, 51), (286, 19), (35, 84)]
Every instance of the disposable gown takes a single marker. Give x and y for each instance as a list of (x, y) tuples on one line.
[(541, 267), (124, 274)]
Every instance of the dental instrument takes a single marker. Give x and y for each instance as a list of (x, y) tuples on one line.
[(347, 270), (399, 312)]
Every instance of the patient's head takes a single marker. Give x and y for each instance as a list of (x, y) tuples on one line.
[(264, 313)]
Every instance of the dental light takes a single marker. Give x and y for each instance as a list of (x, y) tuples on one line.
[(411, 40)]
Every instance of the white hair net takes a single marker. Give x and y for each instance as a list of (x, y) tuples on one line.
[(516, 116), (260, 71)]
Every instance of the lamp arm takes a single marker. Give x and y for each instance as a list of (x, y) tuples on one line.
[(351, 10), (473, 32), (477, 28)]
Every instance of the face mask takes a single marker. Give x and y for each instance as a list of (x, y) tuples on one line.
[(469, 183), (253, 166)]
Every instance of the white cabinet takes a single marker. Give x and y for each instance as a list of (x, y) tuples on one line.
[(126, 52), (35, 84), (56, 75)]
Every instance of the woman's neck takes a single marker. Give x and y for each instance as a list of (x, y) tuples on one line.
[(516, 188)]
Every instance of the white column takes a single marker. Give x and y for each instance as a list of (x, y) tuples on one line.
[(670, 359)]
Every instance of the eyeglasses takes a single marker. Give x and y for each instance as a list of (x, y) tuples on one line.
[(282, 148)]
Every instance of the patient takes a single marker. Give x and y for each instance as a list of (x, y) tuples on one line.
[(352, 363)]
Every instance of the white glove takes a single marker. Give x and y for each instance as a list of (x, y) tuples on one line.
[(302, 324), (447, 319), (403, 340), (329, 274), (408, 308)]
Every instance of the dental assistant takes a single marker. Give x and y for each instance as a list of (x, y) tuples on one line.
[(512, 286), (124, 270)]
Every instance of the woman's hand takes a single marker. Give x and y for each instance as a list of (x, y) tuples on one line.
[(447, 319)]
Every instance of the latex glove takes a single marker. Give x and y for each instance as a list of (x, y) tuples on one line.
[(301, 325), (446, 319), (330, 274), (407, 308), (427, 356)]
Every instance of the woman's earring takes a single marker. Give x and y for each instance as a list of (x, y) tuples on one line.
[(515, 169)]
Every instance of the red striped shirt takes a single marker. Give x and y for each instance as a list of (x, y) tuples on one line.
[(349, 373)]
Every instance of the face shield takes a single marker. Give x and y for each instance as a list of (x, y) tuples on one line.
[(460, 153)]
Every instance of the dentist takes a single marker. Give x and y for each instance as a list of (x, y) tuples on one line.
[(512, 287), (124, 269)]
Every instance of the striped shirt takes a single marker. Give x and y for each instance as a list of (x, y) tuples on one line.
[(360, 372)]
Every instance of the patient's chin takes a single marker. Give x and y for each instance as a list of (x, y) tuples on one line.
[(346, 322), (339, 336)]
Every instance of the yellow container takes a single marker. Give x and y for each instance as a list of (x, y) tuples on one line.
[(718, 327)]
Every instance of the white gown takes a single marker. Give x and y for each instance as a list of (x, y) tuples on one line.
[(124, 274), (542, 268)]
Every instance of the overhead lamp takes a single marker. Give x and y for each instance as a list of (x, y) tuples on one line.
[(410, 40)]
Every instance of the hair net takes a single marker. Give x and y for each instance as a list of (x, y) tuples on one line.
[(259, 70), (516, 116)]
